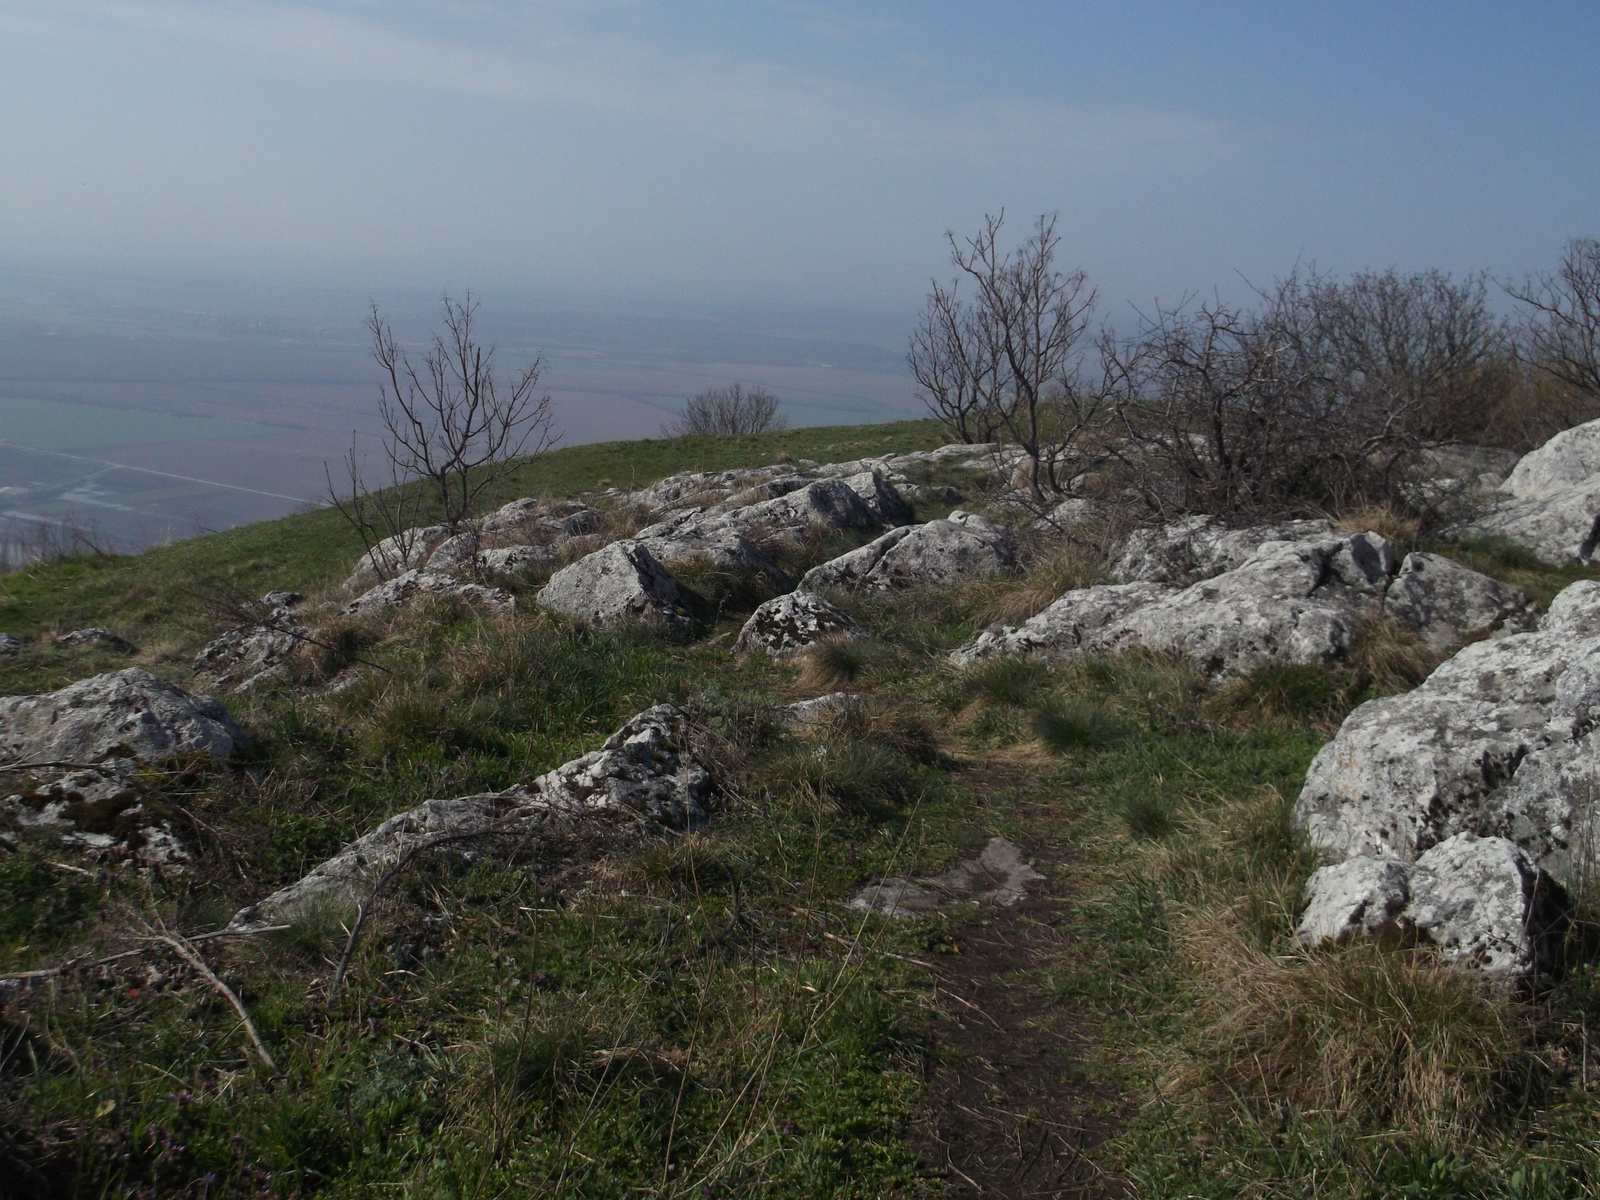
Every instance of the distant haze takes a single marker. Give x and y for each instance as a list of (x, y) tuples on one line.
[(199, 197)]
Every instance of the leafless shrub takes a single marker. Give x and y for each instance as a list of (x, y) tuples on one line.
[(1563, 331), (1015, 362), (452, 429), (728, 412), (25, 542)]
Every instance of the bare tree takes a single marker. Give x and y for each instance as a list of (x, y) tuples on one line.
[(728, 412), (452, 429), (1015, 359), (954, 360), (1563, 336)]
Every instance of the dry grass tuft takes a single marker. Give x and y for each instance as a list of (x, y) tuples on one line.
[(835, 661), (1384, 1039), (1056, 569), (900, 726), (1402, 530), (1389, 659)]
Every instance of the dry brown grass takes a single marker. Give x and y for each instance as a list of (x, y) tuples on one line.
[(1384, 1039), (1388, 658), (1056, 568), (1401, 530)]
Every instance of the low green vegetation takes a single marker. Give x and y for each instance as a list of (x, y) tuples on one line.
[(703, 1014)]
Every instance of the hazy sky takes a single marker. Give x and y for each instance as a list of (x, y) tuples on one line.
[(798, 152)]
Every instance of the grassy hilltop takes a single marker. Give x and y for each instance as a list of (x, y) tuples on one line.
[(703, 1015)]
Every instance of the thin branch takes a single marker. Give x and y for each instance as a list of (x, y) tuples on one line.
[(189, 954)]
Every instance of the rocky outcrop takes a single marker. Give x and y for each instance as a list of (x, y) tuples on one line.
[(417, 584), (962, 546), (1486, 777), (649, 772), (107, 813), (1495, 742), (621, 582), (786, 625), (1447, 603), (1290, 601), (252, 654), (718, 541), (1197, 548), (1291, 592), (102, 638), (396, 555), (1551, 501), (126, 713), (1482, 901)]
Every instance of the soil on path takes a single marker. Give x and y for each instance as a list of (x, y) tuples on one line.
[(1018, 1099)]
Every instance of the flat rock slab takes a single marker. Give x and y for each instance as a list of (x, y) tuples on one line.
[(999, 875), (97, 637), (416, 585), (648, 771), (126, 712)]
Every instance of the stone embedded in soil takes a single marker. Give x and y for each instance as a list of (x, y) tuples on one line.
[(97, 637), (9, 644), (648, 773), (416, 584), (126, 712), (1447, 603), (786, 625), (998, 875)]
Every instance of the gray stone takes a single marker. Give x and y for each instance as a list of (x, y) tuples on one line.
[(97, 637), (786, 625), (1360, 897), (825, 504), (250, 655), (715, 540), (1076, 623), (1550, 503), (1500, 741), (880, 496), (1483, 901), (127, 712), (103, 812), (1197, 548), (1070, 514), (999, 875), (417, 584), (9, 644), (1570, 457), (1447, 603), (962, 546), (803, 714), (1486, 904), (617, 583), (396, 555), (647, 773)]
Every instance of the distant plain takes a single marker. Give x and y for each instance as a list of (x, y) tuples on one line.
[(143, 412)]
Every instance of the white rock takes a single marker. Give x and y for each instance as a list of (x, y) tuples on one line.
[(1360, 897), (9, 644), (962, 546), (415, 584), (128, 711), (786, 625), (999, 875), (617, 583), (395, 555), (1570, 457), (1071, 625), (97, 637), (1486, 904), (649, 770), (1447, 603), (1197, 548)]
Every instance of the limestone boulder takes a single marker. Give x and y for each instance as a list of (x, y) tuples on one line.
[(252, 654), (396, 555), (1196, 548), (962, 546), (1482, 901), (694, 537), (649, 773), (882, 499), (9, 644), (1550, 503), (619, 583), (124, 713), (1447, 603), (1499, 741), (1570, 457), (1289, 601), (786, 625), (415, 585)]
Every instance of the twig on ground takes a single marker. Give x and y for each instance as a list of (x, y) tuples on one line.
[(190, 955)]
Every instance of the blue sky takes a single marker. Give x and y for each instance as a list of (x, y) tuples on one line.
[(809, 153)]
